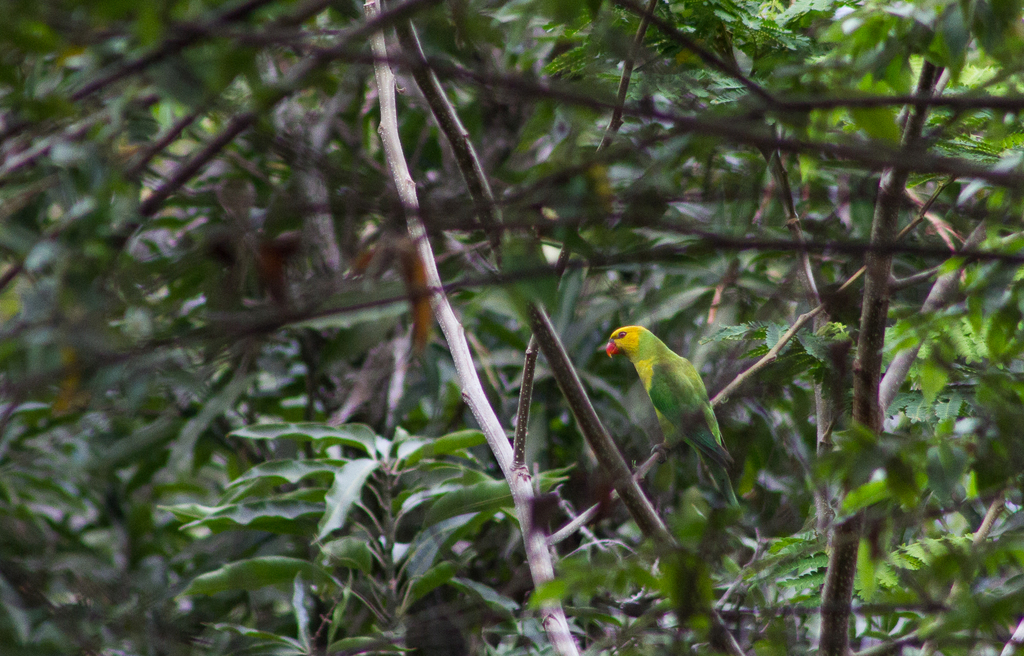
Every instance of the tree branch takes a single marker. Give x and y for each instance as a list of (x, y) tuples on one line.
[(458, 137), (941, 294), (615, 122), (836, 596), (537, 554)]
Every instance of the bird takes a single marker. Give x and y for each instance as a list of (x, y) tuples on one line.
[(679, 397)]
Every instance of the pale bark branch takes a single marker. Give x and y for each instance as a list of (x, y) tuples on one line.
[(520, 483), (942, 292)]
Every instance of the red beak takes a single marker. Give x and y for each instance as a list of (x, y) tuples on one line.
[(611, 349)]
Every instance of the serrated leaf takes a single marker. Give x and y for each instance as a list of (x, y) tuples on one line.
[(733, 333), (256, 573)]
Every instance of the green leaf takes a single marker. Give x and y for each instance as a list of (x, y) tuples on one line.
[(867, 583), (934, 376), (256, 573), (349, 552), (264, 636), (866, 495), (288, 471), (488, 496), (274, 516), (444, 445), (878, 122), (437, 575), (365, 645), (347, 488), (354, 435), (494, 600)]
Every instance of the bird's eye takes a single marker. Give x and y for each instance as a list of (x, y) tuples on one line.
[(622, 334)]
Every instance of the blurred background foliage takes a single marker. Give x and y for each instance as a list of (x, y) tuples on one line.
[(225, 429)]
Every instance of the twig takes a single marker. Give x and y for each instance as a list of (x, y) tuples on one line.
[(537, 554), (523, 410), (1016, 641), (615, 122), (238, 124), (708, 57), (142, 159), (940, 295), (584, 518), (770, 356), (458, 137)]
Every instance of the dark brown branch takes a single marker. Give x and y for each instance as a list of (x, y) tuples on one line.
[(708, 57), (523, 411), (195, 164), (456, 134), (601, 443), (615, 122), (836, 596), (184, 37)]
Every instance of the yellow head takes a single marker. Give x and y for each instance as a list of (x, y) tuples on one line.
[(625, 340)]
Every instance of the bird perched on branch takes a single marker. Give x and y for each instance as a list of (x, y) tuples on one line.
[(679, 398)]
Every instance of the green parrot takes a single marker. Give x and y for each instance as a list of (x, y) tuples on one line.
[(679, 398)]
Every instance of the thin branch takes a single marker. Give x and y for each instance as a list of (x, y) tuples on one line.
[(458, 137), (771, 355), (941, 294), (708, 57), (238, 124), (587, 515), (183, 37), (523, 410), (141, 159), (1016, 641), (872, 154), (615, 122), (537, 554)]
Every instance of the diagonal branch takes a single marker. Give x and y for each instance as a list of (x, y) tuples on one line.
[(615, 122), (456, 134), (941, 294)]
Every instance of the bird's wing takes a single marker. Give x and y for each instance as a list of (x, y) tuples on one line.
[(679, 395)]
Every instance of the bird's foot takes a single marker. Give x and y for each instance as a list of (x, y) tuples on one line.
[(662, 451)]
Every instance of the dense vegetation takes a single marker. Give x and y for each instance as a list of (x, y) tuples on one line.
[(229, 422)]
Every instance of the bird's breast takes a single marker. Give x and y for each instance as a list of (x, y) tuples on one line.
[(645, 369)]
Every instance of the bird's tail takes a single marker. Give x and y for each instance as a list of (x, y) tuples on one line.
[(722, 482)]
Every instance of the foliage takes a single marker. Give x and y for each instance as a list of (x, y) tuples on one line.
[(225, 429)]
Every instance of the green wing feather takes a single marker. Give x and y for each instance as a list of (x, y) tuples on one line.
[(682, 403)]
